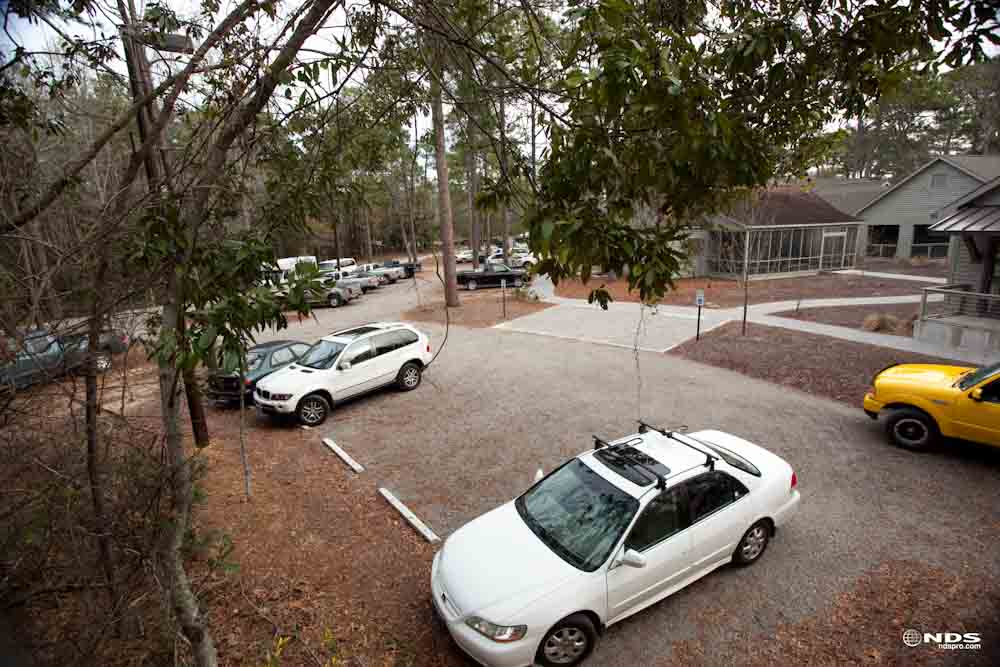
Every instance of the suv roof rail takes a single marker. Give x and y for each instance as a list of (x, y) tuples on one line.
[(710, 458)]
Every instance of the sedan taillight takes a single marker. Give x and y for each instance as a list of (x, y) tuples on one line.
[(795, 480)]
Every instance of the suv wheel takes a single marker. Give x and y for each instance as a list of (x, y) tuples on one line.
[(409, 376), (471, 285), (313, 410), (911, 429)]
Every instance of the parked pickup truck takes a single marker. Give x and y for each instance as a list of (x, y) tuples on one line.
[(391, 273), (329, 292), (362, 281), (491, 276), (409, 268), (44, 357)]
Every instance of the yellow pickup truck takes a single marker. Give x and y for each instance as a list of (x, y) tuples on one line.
[(922, 402)]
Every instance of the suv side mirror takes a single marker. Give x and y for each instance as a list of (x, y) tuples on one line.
[(976, 394), (345, 365), (632, 558)]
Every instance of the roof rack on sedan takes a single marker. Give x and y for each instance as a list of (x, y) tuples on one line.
[(629, 457), (710, 458)]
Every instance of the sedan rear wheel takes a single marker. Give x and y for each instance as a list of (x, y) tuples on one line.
[(569, 642), (753, 544)]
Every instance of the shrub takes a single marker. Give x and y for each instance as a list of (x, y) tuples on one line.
[(880, 322)]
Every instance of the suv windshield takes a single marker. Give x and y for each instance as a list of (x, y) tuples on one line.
[(578, 514), (321, 355), (978, 375)]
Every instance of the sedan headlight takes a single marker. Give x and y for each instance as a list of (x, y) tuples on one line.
[(280, 397), (498, 633)]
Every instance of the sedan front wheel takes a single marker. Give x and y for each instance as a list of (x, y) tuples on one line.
[(569, 642)]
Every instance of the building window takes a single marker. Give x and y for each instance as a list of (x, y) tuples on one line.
[(939, 181)]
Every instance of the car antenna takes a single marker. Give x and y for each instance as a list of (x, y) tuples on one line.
[(710, 458)]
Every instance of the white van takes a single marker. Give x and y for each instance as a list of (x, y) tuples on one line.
[(347, 265)]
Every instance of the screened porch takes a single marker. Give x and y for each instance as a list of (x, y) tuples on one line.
[(736, 250)]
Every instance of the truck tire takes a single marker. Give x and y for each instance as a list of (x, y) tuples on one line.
[(911, 429)]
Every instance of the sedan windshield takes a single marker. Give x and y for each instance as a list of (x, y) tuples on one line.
[(973, 378), (254, 360), (321, 355), (578, 514)]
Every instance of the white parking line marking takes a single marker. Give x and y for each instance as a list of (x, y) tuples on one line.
[(344, 456), (409, 516)]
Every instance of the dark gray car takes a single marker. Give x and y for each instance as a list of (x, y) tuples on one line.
[(43, 357)]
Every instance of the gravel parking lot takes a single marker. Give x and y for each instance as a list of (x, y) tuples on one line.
[(497, 405)]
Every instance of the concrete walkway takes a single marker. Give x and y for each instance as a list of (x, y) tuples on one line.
[(658, 329), (895, 276)]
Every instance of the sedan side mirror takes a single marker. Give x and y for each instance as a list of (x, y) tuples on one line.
[(632, 558), (345, 366), (976, 394)]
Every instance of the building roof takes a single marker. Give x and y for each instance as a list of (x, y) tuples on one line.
[(981, 167), (970, 219), (782, 206), (983, 189), (985, 167), (847, 194)]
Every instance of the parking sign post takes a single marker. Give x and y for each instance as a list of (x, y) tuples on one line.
[(503, 296), (699, 300)]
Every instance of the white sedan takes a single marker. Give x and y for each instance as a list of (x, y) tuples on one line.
[(605, 535)]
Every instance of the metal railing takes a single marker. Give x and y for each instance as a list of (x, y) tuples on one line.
[(929, 250), (959, 301), (881, 250)]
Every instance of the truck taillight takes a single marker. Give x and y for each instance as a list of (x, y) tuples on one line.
[(795, 480)]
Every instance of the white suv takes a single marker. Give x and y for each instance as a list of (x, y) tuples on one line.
[(342, 365)]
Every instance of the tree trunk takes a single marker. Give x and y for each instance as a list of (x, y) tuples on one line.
[(368, 234), (504, 178), (195, 403), (243, 439), (444, 189), (93, 435), (336, 234), (182, 599), (471, 186)]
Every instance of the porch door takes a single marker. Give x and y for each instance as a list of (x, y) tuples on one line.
[(833, 250)]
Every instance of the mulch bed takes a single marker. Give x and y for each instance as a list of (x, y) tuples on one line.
[(854, 316), (478, 310), (729, 293), (322, 557), (829, 367)]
